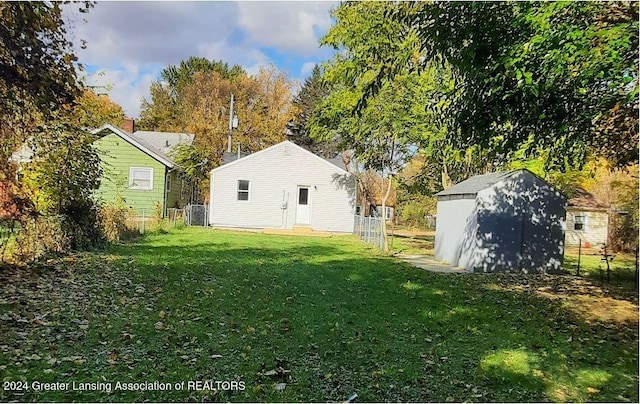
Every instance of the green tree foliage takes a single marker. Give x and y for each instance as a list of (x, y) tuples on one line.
[(561, 73), (194, 163), (42, 107), (37, 73), (313, 91), (181, 75), (409, 102), (36, 58), (61, 179)]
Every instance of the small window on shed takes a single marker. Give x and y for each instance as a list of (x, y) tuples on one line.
[(243, 190), (579, 222)]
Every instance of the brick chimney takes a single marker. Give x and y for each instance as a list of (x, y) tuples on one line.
[(129, 125)]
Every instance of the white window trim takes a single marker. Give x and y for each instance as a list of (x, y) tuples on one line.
[(248, 191), (584, 223), (387, 213), (148, 169)]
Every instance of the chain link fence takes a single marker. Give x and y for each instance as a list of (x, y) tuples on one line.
[(196, 215), (369, 229)]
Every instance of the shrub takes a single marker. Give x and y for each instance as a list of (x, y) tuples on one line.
[(116, 222), (40, 236), (81, 224), (160, 224)]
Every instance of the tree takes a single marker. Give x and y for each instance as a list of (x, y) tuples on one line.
[(378, 134), (37, 72), (43, 106), (163, 110), (36, 58), (562, 74), (313, 91), (199, 104), (60, 181), (194, 163), (93, 110)]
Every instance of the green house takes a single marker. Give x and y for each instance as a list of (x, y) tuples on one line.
[(137, 167)]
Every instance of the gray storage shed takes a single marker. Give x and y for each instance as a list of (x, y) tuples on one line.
[(510, 221)]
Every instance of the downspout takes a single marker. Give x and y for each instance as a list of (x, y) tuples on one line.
[(167, 172), (355, 196)]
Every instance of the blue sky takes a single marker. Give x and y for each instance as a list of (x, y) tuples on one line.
[(129, 43)]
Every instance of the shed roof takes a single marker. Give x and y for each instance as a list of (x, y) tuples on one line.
[(586, 200), (477, 183)]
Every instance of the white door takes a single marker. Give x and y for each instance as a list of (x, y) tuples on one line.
[(303, 209)]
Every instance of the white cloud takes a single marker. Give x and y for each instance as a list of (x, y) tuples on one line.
[(123, 88), (288, 26), (307, 68), (247, 57), (132, 41), (151, 32)]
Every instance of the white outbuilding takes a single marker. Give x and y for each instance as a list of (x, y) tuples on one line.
[(281, 187), (502, 222)]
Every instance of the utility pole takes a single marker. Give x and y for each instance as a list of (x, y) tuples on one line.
[(230, 125)]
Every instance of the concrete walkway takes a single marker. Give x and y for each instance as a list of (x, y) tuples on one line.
[(430, 264)]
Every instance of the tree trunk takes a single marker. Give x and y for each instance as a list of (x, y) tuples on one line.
[(383, 216), (446, 180)]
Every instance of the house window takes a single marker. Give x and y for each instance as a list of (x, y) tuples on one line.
[(357, 210), (243, 190), (141, 178), (169, 183), (579, 222), (387, 213), (182, 187)]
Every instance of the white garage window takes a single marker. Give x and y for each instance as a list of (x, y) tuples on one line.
[(243, 190), (141, 178), (580, 222)]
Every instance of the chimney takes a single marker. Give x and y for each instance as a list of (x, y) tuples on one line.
[(129, 125)]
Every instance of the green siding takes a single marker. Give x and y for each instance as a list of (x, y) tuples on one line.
[(118, 156), (173, 196)]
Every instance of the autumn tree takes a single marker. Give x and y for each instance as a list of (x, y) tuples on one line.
[(199, 103), (195, 98), (37, 72), (162, 111), (94, 110)]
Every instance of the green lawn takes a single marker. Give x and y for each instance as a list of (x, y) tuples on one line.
[(327, 316)]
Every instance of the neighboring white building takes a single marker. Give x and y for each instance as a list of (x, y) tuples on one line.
[(587, 221), (281, 187)]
